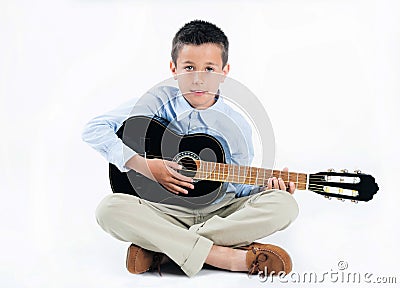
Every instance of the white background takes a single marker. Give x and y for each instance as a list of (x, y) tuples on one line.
[(327, 72)]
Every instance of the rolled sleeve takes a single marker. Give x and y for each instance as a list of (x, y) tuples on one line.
[(100, 134)]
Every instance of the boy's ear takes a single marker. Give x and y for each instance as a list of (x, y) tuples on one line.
[(225, 71), (172, 67)]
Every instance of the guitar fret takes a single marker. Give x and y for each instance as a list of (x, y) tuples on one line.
[(226, 172), (258, 171), (198, 169), (263, 184), (213, 170), (251, 175)]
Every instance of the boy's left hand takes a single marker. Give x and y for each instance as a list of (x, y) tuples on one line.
[(278, 183)]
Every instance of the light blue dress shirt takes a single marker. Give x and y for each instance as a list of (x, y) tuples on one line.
[(220, 120)]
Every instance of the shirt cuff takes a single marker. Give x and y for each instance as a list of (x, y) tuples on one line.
[(120, 154)]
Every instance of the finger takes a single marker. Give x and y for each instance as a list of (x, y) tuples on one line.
[(175, 174), (170, 168), (286, 170), (292, 187), (181, 183), (172, 165), (181, 177), (269, 183), (282, 185), (169, 187), (275, 183), (176, 189)]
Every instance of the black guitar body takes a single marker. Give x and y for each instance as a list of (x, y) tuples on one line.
[(152, 138)]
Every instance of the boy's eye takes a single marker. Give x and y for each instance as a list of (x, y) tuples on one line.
[(209, 69), (189, 68)]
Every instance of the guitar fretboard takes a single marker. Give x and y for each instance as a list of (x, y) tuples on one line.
[(246, 175)]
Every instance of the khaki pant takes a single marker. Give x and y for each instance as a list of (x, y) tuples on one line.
[(186, 236)]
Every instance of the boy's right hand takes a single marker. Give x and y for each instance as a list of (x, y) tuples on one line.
[(162, 171)]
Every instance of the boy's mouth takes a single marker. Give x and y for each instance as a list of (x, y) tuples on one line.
[(198, 92)]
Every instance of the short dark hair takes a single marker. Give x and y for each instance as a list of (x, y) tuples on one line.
[(199, 32)]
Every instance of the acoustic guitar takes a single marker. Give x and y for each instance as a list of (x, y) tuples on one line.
[(203, 159)]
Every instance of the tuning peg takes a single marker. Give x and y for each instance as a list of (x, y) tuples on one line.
[(331, 170), (344, 171), (354, 201), (328, 197), (341, 199), (357, 171)]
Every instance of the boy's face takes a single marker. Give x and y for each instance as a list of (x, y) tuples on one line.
[(199, 72)]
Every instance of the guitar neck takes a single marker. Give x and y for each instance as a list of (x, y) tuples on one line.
[(246, 175)]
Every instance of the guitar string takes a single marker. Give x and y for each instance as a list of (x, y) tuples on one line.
[(248, 167), (250, 179), (314, 184), (221, 174), (311, 177), (217, 174)]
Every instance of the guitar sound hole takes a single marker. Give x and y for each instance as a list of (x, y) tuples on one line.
[(189, 167)]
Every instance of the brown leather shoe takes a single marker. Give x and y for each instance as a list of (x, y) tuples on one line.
[(139, 260), (271, 257)]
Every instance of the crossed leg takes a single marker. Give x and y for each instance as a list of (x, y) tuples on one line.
[(190, 245)]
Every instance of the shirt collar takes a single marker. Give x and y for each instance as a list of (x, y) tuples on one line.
[(183, 108)]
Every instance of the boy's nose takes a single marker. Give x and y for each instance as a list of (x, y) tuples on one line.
[(197, 78)]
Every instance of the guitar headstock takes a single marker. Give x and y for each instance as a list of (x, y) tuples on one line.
[(343, 185)]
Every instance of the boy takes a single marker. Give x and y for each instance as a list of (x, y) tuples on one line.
[(222, 233)]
